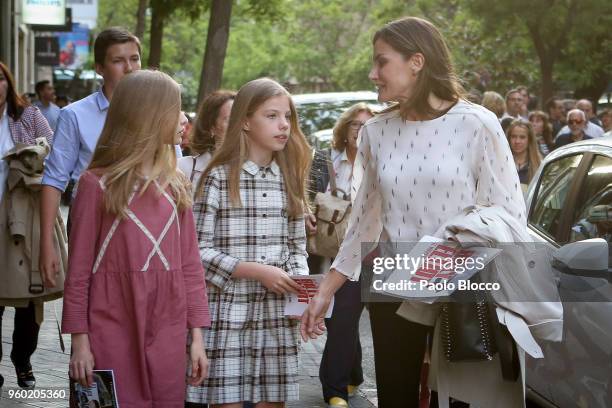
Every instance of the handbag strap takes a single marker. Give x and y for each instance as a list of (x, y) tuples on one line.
[(195, 158), (332, 175), (332, 183)]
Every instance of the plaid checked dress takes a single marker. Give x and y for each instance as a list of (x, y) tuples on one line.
[(251, 346)]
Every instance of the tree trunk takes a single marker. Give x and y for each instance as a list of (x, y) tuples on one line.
[(546, 71), (216, 47), (141, 15), (157, 35)]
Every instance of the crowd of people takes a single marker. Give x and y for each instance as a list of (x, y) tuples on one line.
[(533, 133), (164, 243)]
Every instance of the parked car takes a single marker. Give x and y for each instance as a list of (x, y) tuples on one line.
[(570, 201), (320, 111), (322, 139)]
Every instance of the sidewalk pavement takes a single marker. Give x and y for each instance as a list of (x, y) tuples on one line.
[(50, 366)]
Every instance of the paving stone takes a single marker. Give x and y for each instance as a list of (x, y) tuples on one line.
[(50, 366)]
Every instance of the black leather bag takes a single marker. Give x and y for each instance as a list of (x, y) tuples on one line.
[(466, 328), (470, 331)]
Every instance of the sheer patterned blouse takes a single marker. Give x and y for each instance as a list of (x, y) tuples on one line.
[(411, 176)]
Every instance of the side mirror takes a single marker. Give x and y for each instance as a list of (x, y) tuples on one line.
[(587, 258)]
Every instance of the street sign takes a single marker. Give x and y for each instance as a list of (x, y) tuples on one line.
[(47, 12), (66, 26), (46, 51)]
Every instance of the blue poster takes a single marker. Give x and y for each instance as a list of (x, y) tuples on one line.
[(74, 47)]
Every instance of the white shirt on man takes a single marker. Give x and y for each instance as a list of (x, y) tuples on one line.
[(50, 112)]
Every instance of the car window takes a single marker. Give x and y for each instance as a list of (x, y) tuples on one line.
[(592, 217), (321, 115), (549, 200), (316, 116)]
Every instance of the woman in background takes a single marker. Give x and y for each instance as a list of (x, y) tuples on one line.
[(207, 134), (524, 147), (20, 122), (495, 103), (543, 131)]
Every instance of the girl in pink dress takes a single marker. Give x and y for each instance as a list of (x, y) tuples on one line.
[(135, 287)]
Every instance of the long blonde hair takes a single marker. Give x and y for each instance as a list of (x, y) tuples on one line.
[(494, 102), (293, 160), (534, 158), (141, 124)]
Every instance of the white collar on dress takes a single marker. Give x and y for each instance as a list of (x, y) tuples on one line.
[(253, 168)]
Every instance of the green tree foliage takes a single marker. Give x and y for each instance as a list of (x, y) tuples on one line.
[(561, 33), (326, 44), (184, 39)]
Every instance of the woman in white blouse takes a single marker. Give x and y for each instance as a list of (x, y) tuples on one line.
[(421, 162), (208, 133)]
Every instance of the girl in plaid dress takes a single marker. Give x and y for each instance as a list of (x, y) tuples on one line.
[(249, 217)]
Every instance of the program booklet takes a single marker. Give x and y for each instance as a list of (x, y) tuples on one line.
[(101, 394), (434, 268), (296, 304)]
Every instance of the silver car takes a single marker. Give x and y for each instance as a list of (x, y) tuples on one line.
[(319, 111), (570, 201)]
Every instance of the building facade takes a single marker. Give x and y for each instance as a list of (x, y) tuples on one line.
[(17, 44)]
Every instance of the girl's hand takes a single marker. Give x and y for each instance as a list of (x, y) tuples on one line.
[(82, 360), (198, 359), (277, 280)]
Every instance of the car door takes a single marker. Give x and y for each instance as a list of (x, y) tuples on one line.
[(572, 203)]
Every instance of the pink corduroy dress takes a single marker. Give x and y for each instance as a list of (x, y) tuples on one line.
[(135, 285)]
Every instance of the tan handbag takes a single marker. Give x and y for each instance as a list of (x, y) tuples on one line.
[(332, 211)]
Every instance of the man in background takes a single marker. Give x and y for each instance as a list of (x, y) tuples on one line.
[(590, 128), (116, 54), (46, 102)]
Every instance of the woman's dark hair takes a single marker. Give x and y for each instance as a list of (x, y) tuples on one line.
[(202, 139), (411, 35), (15, 104), (547, 128)]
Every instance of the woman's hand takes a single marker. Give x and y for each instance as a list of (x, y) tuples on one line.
[(276, 280), (198, 359), (312, 319), (82, 360), (313, 324)]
